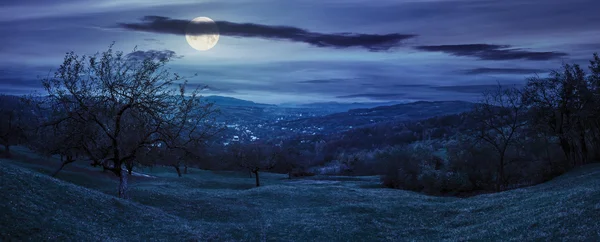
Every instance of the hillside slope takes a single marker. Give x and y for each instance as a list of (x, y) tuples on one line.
[(37, 207), (225, 206)]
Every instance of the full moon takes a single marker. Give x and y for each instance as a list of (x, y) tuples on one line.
[(202, 33)]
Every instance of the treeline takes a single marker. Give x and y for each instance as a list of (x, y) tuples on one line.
[(513, 137)]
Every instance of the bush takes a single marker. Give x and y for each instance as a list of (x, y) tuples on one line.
[(473, 162), (457, 182), (295, 173), (403, 166), (418, 168)]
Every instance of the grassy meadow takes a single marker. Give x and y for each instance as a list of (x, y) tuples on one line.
[(80, 205)]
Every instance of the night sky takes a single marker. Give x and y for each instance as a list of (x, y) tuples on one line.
[(276, 51)]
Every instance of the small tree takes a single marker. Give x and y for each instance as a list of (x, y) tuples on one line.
[(255, 158), (500, 115), (348, 163), (127, 105), (565, 106), (14, 121), (290, 160), (63, 139)]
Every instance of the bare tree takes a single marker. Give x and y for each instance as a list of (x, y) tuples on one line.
[(563, 107), (499, 117), (63, 139), (348, 163), (14, 121), (292, 160), (128, 105), (255, 158), (594, 106)]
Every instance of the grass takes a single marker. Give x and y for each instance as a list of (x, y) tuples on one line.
[(79, 205)]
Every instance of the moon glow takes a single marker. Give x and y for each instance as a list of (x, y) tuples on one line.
[(202, 33)]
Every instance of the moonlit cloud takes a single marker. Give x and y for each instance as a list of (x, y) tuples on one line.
[(513, 71), (153, 54), (372, 42), (493, 52)]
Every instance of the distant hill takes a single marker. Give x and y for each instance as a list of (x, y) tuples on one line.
[(365, 116), (7, 101), (336, 107), (321, 107), (230, 101)]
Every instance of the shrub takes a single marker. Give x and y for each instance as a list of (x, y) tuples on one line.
[(295, 173)]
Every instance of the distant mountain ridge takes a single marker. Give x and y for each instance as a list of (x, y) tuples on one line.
[(366, 116), (230, 101), (331, 107), (342, 107)]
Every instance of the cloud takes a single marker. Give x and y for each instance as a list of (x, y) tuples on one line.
[(410, 85), (371, 42), (322, 81), (477, 71), (479, 89), (155, 54), (492, 52), (219, 90), (20, 82), (153, 40), (375, 95)]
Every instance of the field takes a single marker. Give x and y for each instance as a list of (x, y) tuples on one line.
[(79, 205)]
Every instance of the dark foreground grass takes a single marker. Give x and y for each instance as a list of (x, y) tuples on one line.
[(223, 206)]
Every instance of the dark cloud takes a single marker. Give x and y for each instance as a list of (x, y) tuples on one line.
[(478, 89), (322, 81), (478, 71), (375, 95), (155, 54), (219, 90), (153, 40), (372, 42), (9, 3), (410, 85), (19, 82), (492, 52)]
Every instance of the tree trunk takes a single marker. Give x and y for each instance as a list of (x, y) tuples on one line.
[(500, 178), (62, 165), (547, 149), (257, 179), (178, 170), (501, 182), (7, 150), (584, 149), (564, 144), (185, 170), (595, 138), (123, 183)]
